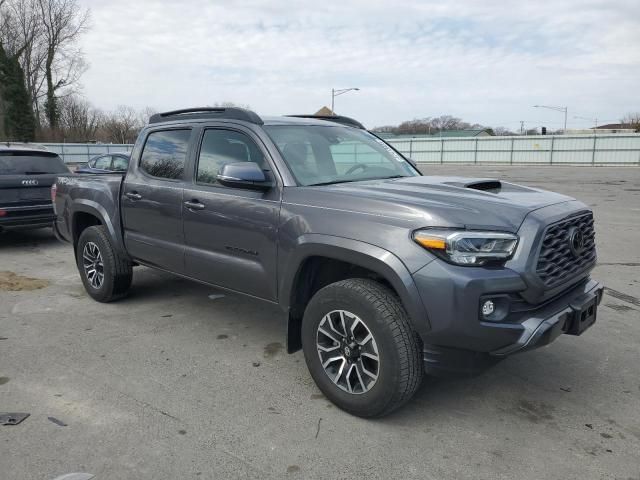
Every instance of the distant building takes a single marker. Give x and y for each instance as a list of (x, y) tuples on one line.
[(324, 111), (615, 128), (606, 129)]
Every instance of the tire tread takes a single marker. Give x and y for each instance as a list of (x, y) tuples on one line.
[(385, 302), (123, 270)]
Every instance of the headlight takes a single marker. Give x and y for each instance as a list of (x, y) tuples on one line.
[(468, 247)]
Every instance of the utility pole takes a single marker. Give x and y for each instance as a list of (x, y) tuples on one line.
[(557, 109), (521, 127), (594, 120)]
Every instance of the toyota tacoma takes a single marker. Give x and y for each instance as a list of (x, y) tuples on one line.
[(384, 275)]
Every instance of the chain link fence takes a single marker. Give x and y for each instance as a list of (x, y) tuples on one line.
[(615, 149)]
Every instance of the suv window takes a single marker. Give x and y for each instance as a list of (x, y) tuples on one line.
[(220, 147), (103, 162), (164, 153), (119, 163), (30, 163)]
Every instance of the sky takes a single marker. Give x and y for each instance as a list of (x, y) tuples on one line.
[(486, 61)]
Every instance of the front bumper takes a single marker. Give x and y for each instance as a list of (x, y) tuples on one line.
[(547, 323), (462, 341)]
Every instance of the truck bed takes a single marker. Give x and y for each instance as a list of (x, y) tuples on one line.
[(94, 194)]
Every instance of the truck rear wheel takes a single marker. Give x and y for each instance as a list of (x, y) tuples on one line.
[(105, 274), (360, 347)]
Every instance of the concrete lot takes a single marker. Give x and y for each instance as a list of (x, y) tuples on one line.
[(182, 381)]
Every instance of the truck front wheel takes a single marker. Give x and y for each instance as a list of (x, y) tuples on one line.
[(360, 347), (105, 274)]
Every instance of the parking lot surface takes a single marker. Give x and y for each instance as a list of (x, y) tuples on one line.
[(180, 380)]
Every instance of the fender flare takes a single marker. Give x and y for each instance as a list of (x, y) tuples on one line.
[(94, 208), (362, 254)]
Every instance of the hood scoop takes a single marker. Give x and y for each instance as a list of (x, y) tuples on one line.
[(491, 186)]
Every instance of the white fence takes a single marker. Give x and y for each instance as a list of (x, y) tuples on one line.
[(615, 149), (82, 152)]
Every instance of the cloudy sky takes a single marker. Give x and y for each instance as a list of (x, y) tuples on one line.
[(484, 61)]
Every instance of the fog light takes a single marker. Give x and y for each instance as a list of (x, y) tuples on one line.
[(488, 308)]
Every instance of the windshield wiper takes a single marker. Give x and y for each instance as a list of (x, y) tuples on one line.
[(333, 182)]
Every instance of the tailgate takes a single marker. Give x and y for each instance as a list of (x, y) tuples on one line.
[(18, 190)]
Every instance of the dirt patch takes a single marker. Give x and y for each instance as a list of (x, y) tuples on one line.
[(535, 412), (272, 349), (11, 282)]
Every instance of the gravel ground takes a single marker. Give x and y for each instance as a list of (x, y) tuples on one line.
[(182, 381)]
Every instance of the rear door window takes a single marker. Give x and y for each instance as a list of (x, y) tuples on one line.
[(165, 153), (31, 163)]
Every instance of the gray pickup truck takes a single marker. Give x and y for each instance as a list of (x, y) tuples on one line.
[(384, 274)]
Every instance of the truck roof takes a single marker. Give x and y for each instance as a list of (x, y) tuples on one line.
[(232, 113), (304, 120)]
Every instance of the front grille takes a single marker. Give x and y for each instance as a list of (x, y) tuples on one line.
[(557, 260)]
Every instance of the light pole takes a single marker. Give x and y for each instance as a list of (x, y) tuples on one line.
[(557, 109), (339, 91)]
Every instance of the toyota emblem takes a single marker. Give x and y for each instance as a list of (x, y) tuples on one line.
[(576, 241)]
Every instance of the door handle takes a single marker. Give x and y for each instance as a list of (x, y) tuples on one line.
[(194, 205), (133, 195)]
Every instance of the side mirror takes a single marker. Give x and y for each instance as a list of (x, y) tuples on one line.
[(243, 175)]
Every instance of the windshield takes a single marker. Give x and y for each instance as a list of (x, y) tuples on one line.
[(30, 163), (319, 155)]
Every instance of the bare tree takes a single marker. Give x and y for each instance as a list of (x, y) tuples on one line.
[(502, 131), (79, 120), (122, 125), (145, 115), (232, 104), (429, 126), (43, 35), (27, 32), (63, 21), (632, 119)]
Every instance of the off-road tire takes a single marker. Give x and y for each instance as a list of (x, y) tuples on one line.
[(117, 270), (399, 347)]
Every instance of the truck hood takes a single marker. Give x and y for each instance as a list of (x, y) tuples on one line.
[(473, 203)]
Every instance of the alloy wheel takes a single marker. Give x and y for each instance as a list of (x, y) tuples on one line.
[(348, 351), (93, 264)]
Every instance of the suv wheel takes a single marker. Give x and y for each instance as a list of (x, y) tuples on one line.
[(360, 347), (105, 274)]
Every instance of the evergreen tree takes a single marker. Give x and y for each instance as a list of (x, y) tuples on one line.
[(15, 105)]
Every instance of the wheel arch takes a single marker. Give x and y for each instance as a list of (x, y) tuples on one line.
[(351, 259), (87, 213)]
